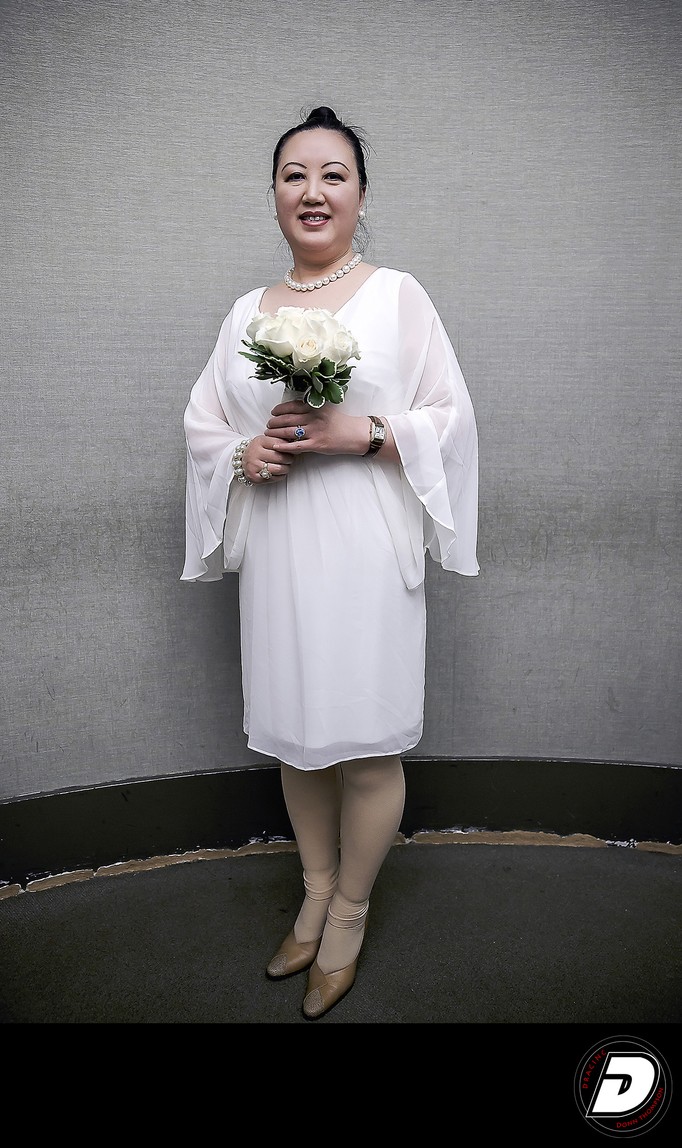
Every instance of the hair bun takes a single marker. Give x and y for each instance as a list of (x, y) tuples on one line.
[(324, 117)]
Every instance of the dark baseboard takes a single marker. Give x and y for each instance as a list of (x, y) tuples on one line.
[(57, 833)]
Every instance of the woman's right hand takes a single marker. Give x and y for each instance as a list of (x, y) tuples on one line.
[(262, 454)]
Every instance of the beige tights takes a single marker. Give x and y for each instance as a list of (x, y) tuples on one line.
[(345, 819), (313, 801)]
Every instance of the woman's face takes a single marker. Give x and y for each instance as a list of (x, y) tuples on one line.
[(317, 193)]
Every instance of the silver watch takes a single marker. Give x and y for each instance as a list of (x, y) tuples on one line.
[(377, 437)]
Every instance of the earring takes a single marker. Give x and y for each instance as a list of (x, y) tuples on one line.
[(361, 213), (275, 217)]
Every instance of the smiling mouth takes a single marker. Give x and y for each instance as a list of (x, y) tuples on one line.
[(313, 217)]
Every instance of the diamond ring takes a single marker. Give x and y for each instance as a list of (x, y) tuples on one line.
[(264, 472), (299, 433)]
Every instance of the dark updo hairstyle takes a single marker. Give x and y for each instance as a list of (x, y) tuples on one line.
[(325, 118)]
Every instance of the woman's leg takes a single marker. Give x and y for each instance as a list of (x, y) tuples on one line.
[(372, 804), (313, 800)]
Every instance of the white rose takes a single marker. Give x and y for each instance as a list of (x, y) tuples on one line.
[(341, 346), (291, 314), (278, 333), (322, 326), (254, 324), (319, 315), (308, 351), (311, 345)]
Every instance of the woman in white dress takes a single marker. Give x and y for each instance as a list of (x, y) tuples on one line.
[(327, 514)]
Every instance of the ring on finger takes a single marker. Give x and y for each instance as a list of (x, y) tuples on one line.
[(264, 472), (299, 433)]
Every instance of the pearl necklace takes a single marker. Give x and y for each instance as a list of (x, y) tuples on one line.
[(357, 258)]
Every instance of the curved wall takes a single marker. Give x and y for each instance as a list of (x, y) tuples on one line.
[(523, 169)]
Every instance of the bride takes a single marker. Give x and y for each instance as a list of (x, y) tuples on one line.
[(326, 515)]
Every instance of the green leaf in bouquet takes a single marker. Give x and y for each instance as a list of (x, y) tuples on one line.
[(265, 358), (327, 368), (252, 357), (314, 399), (333, 392), (269, 371)]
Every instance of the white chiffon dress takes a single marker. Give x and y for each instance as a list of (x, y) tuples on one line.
[(331, 561)]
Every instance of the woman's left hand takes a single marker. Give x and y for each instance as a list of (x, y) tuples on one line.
[(324, 430)]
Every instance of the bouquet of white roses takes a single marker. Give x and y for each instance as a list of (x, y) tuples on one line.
[(306, 349)]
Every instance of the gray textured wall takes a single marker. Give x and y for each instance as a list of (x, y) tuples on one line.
[(525, 169)]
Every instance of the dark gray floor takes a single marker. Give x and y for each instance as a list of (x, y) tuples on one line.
[(457, 934)]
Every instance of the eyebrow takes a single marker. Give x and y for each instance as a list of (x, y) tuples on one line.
[(328, 164)]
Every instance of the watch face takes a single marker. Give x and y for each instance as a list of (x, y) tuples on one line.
[(378, 437)]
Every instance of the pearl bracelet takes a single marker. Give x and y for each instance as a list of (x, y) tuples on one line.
[(237, 465)]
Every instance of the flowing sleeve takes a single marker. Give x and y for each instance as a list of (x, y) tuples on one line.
[(212, 533), (436, 438)]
